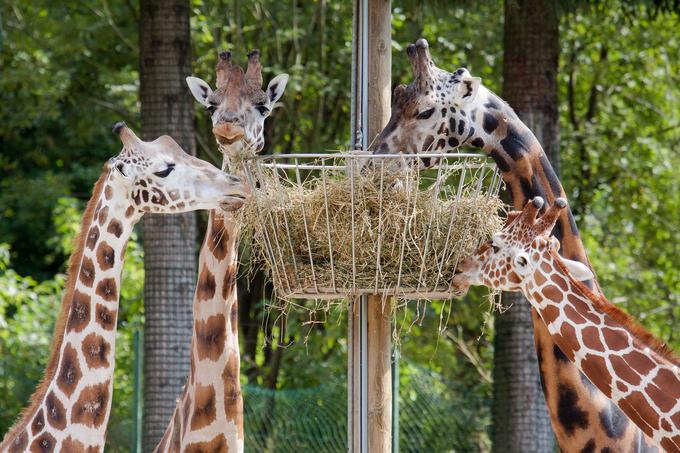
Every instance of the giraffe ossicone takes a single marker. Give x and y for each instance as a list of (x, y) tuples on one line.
[(209, 413), (70, 409), (631, 367)]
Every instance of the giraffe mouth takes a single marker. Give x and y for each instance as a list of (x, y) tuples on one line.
[(461, 283), (233, 202), (228, 133)]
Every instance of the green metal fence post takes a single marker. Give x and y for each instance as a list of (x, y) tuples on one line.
[(138, 341), (395, 400)]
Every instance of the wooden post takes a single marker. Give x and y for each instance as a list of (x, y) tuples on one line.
[(378, 309), (379, 375), (369, 331), (379, 66)]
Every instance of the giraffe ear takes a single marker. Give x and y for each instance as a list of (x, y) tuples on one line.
[(578, 270), (276, 87), (467, 89), (200, 89)]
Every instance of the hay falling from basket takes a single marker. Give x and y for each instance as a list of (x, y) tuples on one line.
[(397, 237)]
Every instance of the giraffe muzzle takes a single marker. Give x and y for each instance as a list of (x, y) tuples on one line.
[(228, 133)]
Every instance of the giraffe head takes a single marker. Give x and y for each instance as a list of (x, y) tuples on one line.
[(160, 177), (238, 106), (514, 254), (440, 111)]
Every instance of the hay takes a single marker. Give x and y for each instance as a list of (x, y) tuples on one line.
[(397, 238)]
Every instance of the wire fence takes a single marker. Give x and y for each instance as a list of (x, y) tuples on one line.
[(435, 415)]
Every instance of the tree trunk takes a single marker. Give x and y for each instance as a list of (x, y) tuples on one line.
[(520, 417), (169, 240)]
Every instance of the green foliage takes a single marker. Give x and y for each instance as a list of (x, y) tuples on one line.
[(28, 312), (620, 133), (68, 73)]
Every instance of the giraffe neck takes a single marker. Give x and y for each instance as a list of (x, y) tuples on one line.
[(625, 363), (495, 128), (209, 413), (584, 418), (70, 409)]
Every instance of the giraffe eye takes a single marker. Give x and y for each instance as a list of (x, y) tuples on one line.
[(210, 109), (262, 109), (166, 172), (495, 248), (425, 114)]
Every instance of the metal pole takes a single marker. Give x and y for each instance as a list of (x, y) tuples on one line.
[(363, 319), (395, 400), (138, 341)]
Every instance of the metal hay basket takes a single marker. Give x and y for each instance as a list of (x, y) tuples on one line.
[(340, 225)]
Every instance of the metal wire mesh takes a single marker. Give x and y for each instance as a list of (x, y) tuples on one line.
[(347, 224)]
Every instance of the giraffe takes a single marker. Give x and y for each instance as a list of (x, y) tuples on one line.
[(70, 408), (626, 363), (440, 111), (209, 412)]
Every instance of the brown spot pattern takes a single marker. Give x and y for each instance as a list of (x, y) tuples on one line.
[(108, 192), (186, 412), (233, 402), (129, 211), (210, 335), (233, 317), (69, 373), (639, 362), (70, 445), (92, 237), (642, 413), (107, 289), (115, 228), (559, 281), (676, 418), (216, 445), (218, 239), (669, 444), (553, 293), (103, 215), (623, 371), (591, 339), (204, 407), (105, 317), (44, 443), (106, 257), (90, 409), (669, 381), (550, 313), (205, 288), (96, 351), (87, 272), (55, 412), (569, 334), (229, 283), (573, 315), (19, 443), (79, 314), (38, 422), (616, 339), (660, 398), (595, 368)]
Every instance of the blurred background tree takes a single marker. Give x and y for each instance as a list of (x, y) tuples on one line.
[(69, 70)]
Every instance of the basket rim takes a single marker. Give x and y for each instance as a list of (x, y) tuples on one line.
[(363, 155)]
